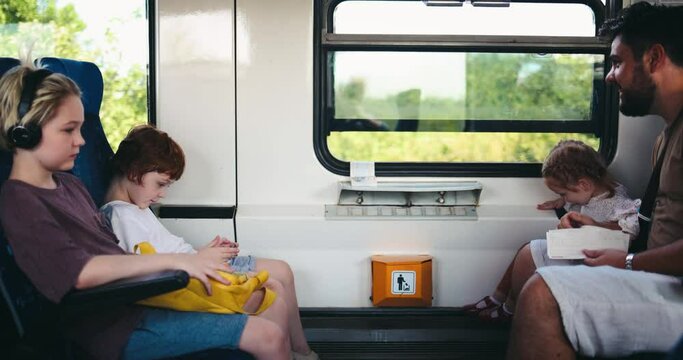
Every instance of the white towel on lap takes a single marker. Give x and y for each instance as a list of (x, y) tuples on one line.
[(614, 312)]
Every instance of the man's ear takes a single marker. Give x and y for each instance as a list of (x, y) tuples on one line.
[(655, 57)]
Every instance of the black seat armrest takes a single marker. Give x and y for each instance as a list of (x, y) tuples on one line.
[(127, 291)]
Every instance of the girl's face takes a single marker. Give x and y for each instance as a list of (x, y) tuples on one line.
[(579, 193), (151, 189), (61, 136)]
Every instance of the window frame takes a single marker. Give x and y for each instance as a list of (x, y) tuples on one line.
[(151, 62), (604, 123)]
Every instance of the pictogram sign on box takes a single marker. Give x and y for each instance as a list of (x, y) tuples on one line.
[(401, 280)]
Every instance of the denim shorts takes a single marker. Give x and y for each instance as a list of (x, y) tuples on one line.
[(243, 264), (166, 333)]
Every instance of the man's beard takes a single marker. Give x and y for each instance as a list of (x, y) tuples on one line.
[(637, 101)]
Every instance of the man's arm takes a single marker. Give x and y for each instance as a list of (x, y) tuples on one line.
[(667, 259)]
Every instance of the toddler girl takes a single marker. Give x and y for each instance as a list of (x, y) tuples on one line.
[(577, 173)]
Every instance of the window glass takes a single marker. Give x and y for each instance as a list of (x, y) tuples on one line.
[(437, 107), (111, 34), (415, 17), (464, 86), (448, 147)]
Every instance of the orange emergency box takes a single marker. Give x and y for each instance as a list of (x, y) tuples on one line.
[(402, 280)]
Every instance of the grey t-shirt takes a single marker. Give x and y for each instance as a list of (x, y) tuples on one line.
[(53, 234)]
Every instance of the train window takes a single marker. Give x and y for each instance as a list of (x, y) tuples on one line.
[(111, 34), (459, 90)]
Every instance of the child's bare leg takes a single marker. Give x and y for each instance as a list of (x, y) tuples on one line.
[(519, 271), (500, 295), (264, 339), (523, 269), (275, 314), (503, 288), (254, 301), (284, 278)]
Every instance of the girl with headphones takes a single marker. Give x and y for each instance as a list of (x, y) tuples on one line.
[(61, 242)]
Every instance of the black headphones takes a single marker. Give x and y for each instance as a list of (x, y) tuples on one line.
[(27, 136)]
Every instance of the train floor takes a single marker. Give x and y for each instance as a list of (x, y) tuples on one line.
[(402, 334)]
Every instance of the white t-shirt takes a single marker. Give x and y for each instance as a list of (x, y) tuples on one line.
[(619, 208), (133, 225)]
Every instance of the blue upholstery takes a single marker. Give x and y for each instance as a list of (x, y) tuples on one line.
[(92, 163), (677, 352), (86, 74)]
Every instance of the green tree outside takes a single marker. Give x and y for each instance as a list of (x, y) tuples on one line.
[(48, 30), (498, 87)]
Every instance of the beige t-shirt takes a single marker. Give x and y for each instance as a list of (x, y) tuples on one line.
[(667, 219)]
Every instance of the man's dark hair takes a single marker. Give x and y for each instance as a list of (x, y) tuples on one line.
[(643, 25)]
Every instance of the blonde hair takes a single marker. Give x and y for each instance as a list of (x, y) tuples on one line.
[(50, 93), (571, 160)]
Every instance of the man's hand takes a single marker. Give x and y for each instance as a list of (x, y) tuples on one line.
[(610, 257), (550, 205), (573, 219)]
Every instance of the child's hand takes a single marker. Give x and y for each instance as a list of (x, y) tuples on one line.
[(219, 241), (213, 243), (222, 241), (573, 219), (220, 253), (203, 266), (550, 205)]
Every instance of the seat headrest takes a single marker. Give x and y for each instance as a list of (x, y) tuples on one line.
[(86, 75), (6, 64)]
